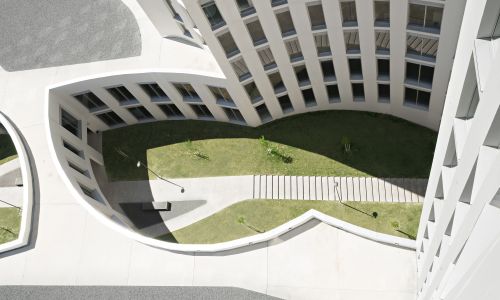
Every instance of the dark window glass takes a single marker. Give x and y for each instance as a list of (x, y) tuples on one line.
[(71, 124), (285, 103), (213, 15), (170, 110), (90, 101), (110, 118)]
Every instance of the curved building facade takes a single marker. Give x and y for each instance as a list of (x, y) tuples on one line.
[(249, 62), (286, 57), (252, 62)]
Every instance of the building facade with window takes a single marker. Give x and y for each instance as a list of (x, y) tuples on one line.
[(432, 62), (458, 243), (252, 62), (391, 57)]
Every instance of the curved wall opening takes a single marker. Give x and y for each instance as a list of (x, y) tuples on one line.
[(16, 188), (78, 112)]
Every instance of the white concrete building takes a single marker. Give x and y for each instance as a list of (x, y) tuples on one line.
[(458, 240), (250, 62)]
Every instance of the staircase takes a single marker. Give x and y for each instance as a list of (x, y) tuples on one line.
[(339, 188)]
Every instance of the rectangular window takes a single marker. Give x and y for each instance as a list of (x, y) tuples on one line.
[(417, 98), (351, 38), (285, 104), (71, 123), (294, 50), (419, 75), (122, 95), (309, 98), (277, 82), (383, 41), (316, 16), (322, 44), (79, 170), (267, 58), (110, 118), (425, 18), (278, 2), (227, 42), (382, 13), (73, 149), (140, 113), (383, 66), (302, 75), (241, 69), (246, 7), (170, 110), (221, 95), (201, 111), (263, 113), (91, 193), (328, 70), (233, 114), (421, 47), (358, 92), (253, 92), (90, 101), (355, 68), (384, 93), (187, 91), (213, 15), (285, 23), (333, 93), (154, 91), (349, 17), (256, 32)]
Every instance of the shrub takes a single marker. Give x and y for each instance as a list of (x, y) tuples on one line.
[(346, 144)]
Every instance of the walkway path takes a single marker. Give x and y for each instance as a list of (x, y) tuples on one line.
[(208, 195), (339, 188)]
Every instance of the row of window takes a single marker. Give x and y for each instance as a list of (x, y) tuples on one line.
[(154, 91), (156, 94), (417, 47), (422, 17)]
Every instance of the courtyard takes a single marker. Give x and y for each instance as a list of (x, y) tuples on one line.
[(327, 143), (214, 160)]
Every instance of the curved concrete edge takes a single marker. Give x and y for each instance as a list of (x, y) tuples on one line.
[(219, 247), (28, 188), (180, 71)]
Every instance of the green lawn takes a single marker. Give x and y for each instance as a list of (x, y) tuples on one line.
[(382, 146), (10, 221), (253, 216), (7, 149)]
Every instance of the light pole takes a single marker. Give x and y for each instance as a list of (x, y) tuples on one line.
[(139, 164)]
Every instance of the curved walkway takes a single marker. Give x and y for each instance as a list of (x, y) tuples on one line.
[(208, 195)]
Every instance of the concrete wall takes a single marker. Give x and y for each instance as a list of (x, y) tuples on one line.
[(458, 238)]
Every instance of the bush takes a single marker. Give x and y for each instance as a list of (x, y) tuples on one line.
[(346, 144), (274, 152)]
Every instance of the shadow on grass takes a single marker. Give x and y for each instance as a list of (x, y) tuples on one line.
[(7, 147), (372, 215), (385, 146), (407, 234)]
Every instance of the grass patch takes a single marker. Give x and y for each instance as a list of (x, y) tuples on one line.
[(10, 221), (7, 149), (309, 144), (250, 217)]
